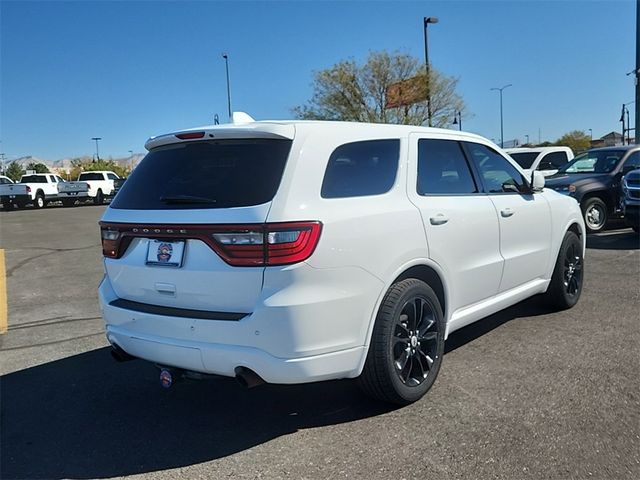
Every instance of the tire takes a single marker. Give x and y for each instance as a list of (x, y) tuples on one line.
[(39, 201), (595, 214), (99, 199), (568, 274), (401, 335)]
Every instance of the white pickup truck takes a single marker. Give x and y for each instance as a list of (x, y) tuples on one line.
[(547, 160), (40, 189), (101, 184)]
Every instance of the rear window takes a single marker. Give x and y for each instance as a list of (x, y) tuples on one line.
[(524, 159), (90, 176), (34, 179), (212, 174), (361, 168)]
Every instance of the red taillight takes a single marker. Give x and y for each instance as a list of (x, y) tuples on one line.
[(28, 189), (190, 135), (269, 244)]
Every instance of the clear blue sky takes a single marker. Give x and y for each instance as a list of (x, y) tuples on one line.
[(127, 70)]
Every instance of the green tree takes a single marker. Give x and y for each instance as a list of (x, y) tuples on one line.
[(38, 167), (14, 171), (351, 92), (576, 139)]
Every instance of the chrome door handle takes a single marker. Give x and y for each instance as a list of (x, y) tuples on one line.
[(507, 212), (439, 219)]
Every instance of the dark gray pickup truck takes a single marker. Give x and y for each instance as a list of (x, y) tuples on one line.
[(594, 180)]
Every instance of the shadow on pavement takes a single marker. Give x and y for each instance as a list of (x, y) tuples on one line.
[(625, 239), (88, 417), (532, 307)]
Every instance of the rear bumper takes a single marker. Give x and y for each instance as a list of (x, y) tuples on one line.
[(16, 198), (223, 359), (309, 330), (73, 195)]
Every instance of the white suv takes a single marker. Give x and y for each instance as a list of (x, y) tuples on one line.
[(291, 252)]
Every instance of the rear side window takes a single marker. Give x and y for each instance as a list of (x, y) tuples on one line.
[(443, 169), (211, 174), (112, 176), (90, 176), (361, 169)]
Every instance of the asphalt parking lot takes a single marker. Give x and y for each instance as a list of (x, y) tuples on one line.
[(525, 393)]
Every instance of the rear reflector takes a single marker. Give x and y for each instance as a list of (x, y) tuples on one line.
[(190, 135), (268, 244)]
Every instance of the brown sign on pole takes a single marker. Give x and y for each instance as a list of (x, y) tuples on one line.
[(406, 92)]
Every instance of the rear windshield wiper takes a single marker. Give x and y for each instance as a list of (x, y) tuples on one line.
[(186, 199)]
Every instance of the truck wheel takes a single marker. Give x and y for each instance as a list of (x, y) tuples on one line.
[(566, 282), (407, 344), (99, 200), (594, 212), (39, 201)]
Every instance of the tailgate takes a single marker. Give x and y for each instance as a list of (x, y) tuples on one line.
[(165, 214), (13, 189)]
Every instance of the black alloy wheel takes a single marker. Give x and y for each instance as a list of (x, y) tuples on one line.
[(415, 342), (407, 344), (568, 274)]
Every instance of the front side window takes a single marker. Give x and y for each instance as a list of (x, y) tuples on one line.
[(443, 169), (498, 175), (361, 169)]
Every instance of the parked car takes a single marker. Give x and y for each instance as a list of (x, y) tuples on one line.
[(593, 179), (631, 199), (101, 185), (40, 189), (293, 252), (547, 160)]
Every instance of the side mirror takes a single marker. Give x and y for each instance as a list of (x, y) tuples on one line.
[(537, 181)]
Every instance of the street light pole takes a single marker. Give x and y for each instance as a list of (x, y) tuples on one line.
[(500, 89), (427, 21), (97, 139), (527, 138), (226, 64), (591, 134)]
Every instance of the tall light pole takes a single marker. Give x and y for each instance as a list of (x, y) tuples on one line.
[(226, 64), (131, 159), (527, 138), (97, 139), (591, 134), (500, 89), (427, 21)]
